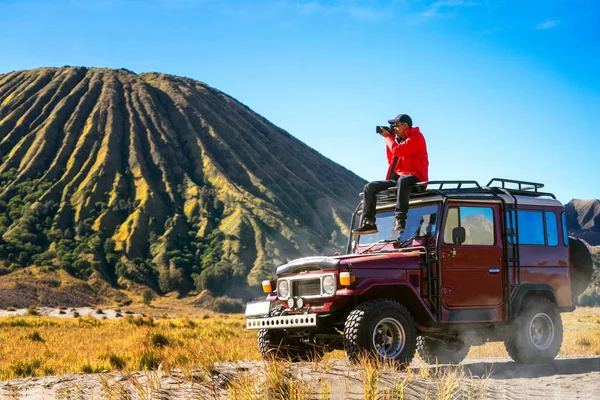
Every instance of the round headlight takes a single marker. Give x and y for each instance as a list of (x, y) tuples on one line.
[(328, 284), (290, 302), (283, 290), (300, 302)]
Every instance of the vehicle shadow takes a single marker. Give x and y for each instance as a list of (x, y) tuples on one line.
[(511, 370)]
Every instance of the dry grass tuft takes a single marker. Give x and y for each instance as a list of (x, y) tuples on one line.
[(35, 337)]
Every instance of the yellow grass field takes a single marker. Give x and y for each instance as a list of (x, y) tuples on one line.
[(36, 346)]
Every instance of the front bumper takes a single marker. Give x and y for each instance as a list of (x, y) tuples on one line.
[(283, 322)]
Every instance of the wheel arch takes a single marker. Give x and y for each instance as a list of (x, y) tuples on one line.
[(403, 294), (530, 290)]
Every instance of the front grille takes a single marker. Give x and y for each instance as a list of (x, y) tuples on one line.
[(306, 287)]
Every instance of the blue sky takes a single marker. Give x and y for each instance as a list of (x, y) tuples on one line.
[(499, 88)]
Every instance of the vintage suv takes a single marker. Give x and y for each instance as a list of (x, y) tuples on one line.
[(476, 264)]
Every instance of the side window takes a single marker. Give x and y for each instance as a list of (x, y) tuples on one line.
[(531, 228), (477, 221), (564, 229), (551, 229), (451, 223)]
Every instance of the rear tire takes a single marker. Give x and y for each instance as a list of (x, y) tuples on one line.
[(382, 328), (434, 351), (536, 334), (273, 343)]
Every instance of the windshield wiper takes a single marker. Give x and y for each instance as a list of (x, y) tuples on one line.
[(404, 242), (382, 241)]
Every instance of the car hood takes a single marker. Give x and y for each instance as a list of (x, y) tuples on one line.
[(308, 264), (333, 262)]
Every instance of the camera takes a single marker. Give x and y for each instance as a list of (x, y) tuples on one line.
[(379, 129)]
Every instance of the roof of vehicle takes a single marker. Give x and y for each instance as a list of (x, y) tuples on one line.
[(498, 189)]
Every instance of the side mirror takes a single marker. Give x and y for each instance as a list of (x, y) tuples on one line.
[(459, 235)]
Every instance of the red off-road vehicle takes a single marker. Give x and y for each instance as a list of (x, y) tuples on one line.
[(475, 264)]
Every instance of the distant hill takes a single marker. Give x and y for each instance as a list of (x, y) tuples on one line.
[(583, 220), (158, 181)]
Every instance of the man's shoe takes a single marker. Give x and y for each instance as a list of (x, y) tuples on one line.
[(366, 229), (400, 225)]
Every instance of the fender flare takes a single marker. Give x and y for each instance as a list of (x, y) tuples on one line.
[(537, 289), (394, 289)]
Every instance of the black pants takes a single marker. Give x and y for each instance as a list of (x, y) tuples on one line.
[(372, 188)]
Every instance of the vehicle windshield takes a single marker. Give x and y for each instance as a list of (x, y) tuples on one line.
[(421, 222)]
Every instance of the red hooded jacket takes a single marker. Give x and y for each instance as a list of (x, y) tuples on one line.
[(408, 157)]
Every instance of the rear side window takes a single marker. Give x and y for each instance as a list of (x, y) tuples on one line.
[(536, 228), (551, 229), (531, 228), (564, 229), (477, 221)]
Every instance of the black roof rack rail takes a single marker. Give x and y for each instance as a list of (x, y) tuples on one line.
[(458, 184), (531, 185), (524, 188)]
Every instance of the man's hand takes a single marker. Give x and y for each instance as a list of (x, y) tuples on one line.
[(384, 131)]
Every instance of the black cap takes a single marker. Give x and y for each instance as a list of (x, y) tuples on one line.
[(402, 118)]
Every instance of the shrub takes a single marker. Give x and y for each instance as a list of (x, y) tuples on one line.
[(25, 368), (219, 278), (226, 305), (32, 310), (139, 321), (158, 339), (148, 360), (109, 245), (35, 337), (88, 368), (147, 296), (116, 361)]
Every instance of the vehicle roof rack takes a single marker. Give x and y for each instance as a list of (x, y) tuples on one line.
[(464, 187)]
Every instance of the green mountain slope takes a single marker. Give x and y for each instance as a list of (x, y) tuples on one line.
[(158, 180)]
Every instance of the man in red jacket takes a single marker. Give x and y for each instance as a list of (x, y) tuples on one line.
[(408, 164)]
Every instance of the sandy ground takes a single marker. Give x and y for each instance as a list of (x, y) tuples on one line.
[(565, 378), (69, 312)]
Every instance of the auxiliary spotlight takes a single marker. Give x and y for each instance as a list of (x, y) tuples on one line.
[(290, 302)]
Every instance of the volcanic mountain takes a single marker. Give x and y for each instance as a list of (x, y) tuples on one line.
[(583, 220), (156, 179)]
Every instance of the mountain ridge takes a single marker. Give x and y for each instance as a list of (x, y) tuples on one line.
[(583, 220)]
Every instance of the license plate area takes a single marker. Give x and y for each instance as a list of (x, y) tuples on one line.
[(258, 308)]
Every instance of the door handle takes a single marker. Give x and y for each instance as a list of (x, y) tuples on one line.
[(494, 270)]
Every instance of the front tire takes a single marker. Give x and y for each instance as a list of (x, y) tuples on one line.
[(442, 351), (536, 334), (383, 328), (274, 343)]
